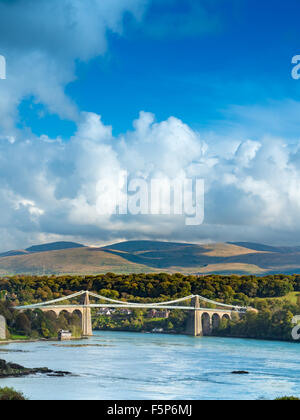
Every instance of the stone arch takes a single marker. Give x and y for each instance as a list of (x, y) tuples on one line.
[(63, 319), (78, 312), (65, 312), (206, 323), (226, 317), (51, 313), (76, 318), (216, 321)]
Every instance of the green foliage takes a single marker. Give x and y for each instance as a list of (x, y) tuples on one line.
[(288, 399), (268, 294), (229, 289), (271, 322), (138, 321), (37, 324), (9, 394)]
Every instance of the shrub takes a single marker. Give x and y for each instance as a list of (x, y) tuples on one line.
[(9, 394)]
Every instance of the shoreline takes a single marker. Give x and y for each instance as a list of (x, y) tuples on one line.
[(39, 340), (205, 336), (4, 342), (53, 340)]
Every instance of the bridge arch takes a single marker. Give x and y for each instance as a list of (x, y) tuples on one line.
[(201, 322), (206, 323), (64, 318), (77, 317), (51, 313), (78, 312), (216, 321)]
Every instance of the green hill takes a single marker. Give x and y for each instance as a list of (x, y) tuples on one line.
[(151, 256)]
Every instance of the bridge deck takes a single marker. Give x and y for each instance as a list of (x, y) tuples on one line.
[(132, 306), (114, 304)]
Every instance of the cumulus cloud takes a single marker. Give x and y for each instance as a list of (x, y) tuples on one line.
[(55, 187), (51, 190), (42, 40)]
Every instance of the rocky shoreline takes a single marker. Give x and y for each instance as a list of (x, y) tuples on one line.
[(12, 370)]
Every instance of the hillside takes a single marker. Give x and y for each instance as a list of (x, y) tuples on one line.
[(53, 246), (151, 256), (71, 261)]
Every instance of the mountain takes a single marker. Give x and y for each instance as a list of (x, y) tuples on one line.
[(256, 247), (13, 253), (54, 246), (151, 256), (268, 248)]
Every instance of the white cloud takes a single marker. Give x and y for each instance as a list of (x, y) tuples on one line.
[(43, 39), (51, 188)]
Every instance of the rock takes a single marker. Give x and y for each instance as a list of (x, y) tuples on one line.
[(56, 375), (15, 366), (59, 374), (240, 372), (12, 370)]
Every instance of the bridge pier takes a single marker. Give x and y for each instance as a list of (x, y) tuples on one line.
[(202, 322), (85, 310), (87, 330), (194, 325)]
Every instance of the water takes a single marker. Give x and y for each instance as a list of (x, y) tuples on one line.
[(147, 366)]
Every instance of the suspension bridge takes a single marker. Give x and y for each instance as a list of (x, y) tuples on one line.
[(202, 320)]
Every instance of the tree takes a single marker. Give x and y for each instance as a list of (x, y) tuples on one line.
[(23, 324), (9, 394)]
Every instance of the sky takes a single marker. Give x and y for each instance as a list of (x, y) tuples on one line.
[(156, 88)]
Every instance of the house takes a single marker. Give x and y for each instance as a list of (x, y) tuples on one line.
[(125, 312), (158, 330), (64, 335), (159, 314), (106, 311)]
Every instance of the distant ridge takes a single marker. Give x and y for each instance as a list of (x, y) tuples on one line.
[(256, 247), (267, 248), (13, 253), (54, 246), (151, 257), (136, 246)]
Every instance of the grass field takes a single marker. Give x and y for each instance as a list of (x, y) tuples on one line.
[(290, 297)]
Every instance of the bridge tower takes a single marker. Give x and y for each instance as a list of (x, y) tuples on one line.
[(87, 330), (194, 324)]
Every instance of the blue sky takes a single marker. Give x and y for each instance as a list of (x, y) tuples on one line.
[(192, 65), (200, 88)]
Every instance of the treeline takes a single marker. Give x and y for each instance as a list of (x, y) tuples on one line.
[(272, 322), (267, 294), (228, 289), (37, 324), (138, 321), (266, 325)]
